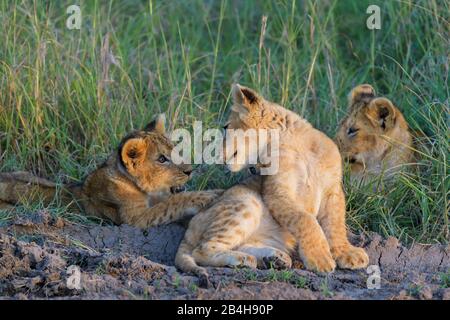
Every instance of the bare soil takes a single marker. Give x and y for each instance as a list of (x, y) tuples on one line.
[(123, 262)]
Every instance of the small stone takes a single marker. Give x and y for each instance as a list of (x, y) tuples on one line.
[(446, 294), (392, 242), (59, 223), (426, 293), (53, 277), (403, 295)]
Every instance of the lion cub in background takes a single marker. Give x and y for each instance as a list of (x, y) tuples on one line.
[(305, 200), (374, 137)]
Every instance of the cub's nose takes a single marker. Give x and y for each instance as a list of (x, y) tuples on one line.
[(187, 169)]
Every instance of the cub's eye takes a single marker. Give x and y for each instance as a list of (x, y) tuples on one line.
[(351, 132), (162, 159), (225, 127)]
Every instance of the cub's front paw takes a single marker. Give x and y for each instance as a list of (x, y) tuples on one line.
[(353, 258), (319, 261), (247, 261), (205, 198)]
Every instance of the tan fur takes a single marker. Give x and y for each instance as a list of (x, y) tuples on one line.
[(374, 137), (132, 186), (237, 231), (305, 197)]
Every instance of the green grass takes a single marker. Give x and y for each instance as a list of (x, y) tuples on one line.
[(64, 105), (325, 288), (445, 279), (273, 275)]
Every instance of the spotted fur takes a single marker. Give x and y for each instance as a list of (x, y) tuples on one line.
[(305, 197), (237, 231)]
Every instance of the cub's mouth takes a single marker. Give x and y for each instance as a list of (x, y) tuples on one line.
[(177, 189)]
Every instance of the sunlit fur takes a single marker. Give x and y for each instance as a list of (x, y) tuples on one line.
[(374, 137), (305, 198), (132, 186)]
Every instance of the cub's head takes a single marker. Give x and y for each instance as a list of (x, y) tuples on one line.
[(145, 156), (370, 130), (247, 129)]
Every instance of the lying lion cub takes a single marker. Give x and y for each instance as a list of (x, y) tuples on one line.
[(236, 231), (305, 197), (374, 137), (137, 184)]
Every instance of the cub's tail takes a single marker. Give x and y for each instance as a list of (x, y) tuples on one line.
[(186, 263), (23, 187)]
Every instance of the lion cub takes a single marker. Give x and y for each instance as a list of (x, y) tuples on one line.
[(236, 231), (374, 137), (137, 185), (305, 198)]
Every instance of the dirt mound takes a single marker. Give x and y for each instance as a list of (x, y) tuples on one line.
[(44, 257)]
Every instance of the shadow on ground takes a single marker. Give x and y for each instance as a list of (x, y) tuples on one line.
[(123, 262)]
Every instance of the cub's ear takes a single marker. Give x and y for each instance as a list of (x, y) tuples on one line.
[(158, 124), (244, 99), (132, 152), (361, 93), (381, 112)]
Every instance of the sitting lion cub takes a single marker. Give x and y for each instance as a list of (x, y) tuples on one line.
[(137, 185), (374, 136), (305, 198)]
